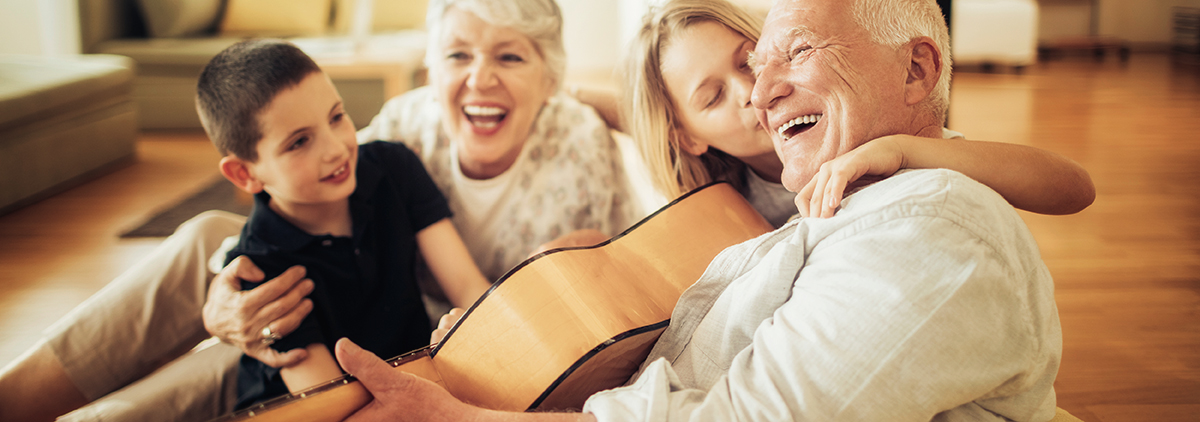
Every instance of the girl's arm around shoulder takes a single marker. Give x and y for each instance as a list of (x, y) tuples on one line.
[(1029, 178), (450, 262)]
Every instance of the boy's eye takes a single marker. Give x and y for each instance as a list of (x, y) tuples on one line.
[(299, 142), (337, 117)]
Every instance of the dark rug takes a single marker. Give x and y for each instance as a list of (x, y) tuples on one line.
[(218, 194)]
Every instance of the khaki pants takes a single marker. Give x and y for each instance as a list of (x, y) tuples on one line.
[(132, 347)]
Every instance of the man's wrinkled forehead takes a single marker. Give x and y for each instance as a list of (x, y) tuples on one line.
[(773, 44)]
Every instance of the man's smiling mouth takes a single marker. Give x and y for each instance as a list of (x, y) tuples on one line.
[(796, 126), (484, 117)]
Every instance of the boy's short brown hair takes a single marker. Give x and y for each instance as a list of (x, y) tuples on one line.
[(238, 83)]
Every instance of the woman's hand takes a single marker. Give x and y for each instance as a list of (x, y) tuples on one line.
[(238, 317), (880, 158), (445, 324)]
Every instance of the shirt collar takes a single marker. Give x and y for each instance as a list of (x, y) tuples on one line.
[(281, 234)]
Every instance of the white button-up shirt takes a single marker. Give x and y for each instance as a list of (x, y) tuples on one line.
[(924, 298)]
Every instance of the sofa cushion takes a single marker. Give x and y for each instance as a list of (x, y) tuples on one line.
[(189, 53), (31, 86), (180, 18), (387, 15), (276, 18)]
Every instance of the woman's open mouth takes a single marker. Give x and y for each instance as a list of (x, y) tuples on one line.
[(798, 125), (484, 117)]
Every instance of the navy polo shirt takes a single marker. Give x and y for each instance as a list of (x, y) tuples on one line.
[(365, 285)]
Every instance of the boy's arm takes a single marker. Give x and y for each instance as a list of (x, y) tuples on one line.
[(1029, 178), (451, 263), (317, 368)]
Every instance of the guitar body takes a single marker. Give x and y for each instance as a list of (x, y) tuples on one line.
[(563, 324)]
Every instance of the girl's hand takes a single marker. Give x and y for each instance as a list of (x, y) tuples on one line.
[(880, 158)]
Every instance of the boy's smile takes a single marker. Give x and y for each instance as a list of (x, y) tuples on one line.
[(308, 153)]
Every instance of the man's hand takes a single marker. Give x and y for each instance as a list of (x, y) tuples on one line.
[(399, 396), (238, 317), (445, 324)]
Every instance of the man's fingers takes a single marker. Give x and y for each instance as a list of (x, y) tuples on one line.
[(373, 372)]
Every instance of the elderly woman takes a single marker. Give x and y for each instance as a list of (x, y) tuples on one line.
[(520, 163)]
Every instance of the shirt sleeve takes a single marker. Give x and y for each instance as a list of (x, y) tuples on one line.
[(424, 201), (900, 322)]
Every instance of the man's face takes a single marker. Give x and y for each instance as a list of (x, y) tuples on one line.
[(823, 86)]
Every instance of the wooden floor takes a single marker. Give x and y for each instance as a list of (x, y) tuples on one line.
[(1127, 269)]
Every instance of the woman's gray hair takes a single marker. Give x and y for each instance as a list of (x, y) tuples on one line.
[(540, 20), (896, 22)]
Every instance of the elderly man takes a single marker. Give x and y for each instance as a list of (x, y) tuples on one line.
[(924, 298)]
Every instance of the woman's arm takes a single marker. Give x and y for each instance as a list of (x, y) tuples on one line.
[(317, 368), (451, 263), (1029, 178), (605, 103)]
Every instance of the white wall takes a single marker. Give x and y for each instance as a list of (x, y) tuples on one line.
[(1136, 21), (596, 32), (48, 27)]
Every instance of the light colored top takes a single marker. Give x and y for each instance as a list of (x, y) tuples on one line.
[(924, 298), (770, 199), (567, 177)]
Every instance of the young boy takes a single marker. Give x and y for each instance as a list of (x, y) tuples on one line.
[(353, 215)]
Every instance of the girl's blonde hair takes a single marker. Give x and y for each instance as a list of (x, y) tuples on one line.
[(652, 118)]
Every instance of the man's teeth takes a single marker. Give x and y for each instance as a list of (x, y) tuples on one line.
[(802, 120), (474, 110)]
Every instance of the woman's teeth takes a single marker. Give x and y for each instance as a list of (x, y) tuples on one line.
[(810, 119), (485, 117)]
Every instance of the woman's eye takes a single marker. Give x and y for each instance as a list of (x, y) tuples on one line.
[(457, 56), (511, 58)]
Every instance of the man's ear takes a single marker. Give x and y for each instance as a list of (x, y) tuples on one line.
[(238, 171), (924, 70)]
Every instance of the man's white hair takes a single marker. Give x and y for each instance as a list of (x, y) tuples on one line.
[(540, 20), (896, 22)]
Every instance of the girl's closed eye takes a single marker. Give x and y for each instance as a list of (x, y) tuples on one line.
[(716, 98)]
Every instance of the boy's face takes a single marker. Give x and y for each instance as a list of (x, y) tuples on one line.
[(308, 152)]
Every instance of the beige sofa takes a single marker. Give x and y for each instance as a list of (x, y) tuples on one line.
[(63, 120), (170, 56)]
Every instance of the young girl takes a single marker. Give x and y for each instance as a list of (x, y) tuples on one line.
[(688, 108)]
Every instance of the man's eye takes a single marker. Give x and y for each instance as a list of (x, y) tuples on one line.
[(798, 51)]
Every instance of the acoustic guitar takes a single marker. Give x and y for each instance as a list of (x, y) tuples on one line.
[(563, 324)]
